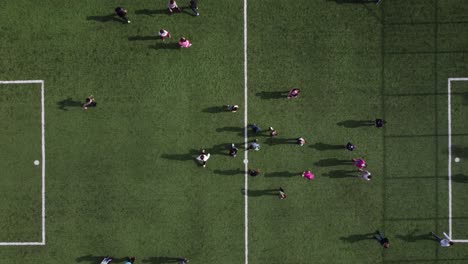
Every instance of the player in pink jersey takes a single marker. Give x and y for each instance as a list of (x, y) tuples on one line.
[(308, 175), (294, 93), (184, 43), (360, 164)]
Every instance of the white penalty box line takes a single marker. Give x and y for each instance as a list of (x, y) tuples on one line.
[(449, 96), (43, 227)]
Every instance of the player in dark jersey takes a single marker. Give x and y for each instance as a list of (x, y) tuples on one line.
[(122, 13)]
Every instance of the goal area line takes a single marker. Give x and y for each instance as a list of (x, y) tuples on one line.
[(449, 117), (43, 192)]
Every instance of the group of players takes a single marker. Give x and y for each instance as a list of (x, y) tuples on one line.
[(172, 8)]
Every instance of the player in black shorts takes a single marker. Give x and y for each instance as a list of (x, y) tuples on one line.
[(233, 150), (122, 13), (379, 123), (194, 7), (90, 102)]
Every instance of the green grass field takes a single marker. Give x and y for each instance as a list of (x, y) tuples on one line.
[(122, 180)]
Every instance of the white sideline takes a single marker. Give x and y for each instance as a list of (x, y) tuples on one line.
[(43, 192), (449, 96), (246, 152)]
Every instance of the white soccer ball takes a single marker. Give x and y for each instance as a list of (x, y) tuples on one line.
[(36, 162), (457, 159)]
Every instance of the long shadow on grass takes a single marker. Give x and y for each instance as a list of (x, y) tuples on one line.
[(97, 259), (460, 178), (165, 45), (356, 123), (412, 237), (341, 174), (272, 95), (162, 260), (239, 130), (282, 174), (135, 38), (355, 1), (153, 12), (214, 109), (358, 237), (257, 193), (459, 151), (107, 18), (223, 149), (64, 104), (332, 162), (278, 141), (324, 146), (229, 172), (182, 157)]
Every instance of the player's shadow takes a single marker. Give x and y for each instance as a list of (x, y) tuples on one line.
[(332, 162), (229, 172), (336, 174), (272, 95), (65, 104), (149, 12), (282, 174), (356, 123), (239, 130), (142, 38), (223, 149), (162, 260), (358, 237), (214, 109), (107, 18), (278, 141), (465, 98), (183, 157), (413, 237), (460, 178), (324, 146), (97, 259), (355, 1), (459, 151), (257, 193), (165, 45)]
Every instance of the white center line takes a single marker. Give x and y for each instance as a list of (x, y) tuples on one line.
[(246, 154)]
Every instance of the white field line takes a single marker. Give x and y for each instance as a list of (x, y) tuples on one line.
[(449, 103), (43, 191), (246, 151), (449, 96), (43, 242), (20, 82), (459, 240), (22, 243)]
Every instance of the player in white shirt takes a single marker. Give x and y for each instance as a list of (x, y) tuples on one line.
[(164, 34), (366, 175), (172, 6), (203, 157), (106, 260), (444, 242)]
